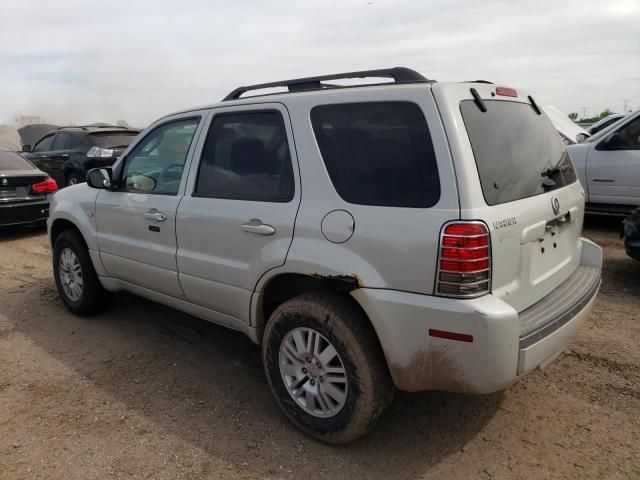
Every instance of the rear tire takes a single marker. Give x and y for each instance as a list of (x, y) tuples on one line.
[(313, 398), (76, 279)]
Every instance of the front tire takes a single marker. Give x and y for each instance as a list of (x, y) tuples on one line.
[(74, 179), (325, 367), (76, 279)]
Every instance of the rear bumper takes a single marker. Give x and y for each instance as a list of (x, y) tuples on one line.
[(21, 213), (504, 346)]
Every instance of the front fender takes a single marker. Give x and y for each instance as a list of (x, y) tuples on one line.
[(76, 205)]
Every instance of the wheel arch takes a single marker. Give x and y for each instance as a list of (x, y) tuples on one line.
[(61, 225), (65, 222), (285, 286)]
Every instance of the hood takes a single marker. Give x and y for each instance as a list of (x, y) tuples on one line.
[(30, 134), (564, 125)]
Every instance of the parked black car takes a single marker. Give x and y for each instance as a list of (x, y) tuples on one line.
[(68, 153), (25, 191), (631, 234)]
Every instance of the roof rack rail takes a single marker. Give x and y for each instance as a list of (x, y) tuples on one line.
[(399, 75), (87, 127), (72, 126)]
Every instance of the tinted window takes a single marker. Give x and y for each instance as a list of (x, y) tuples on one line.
[(246, 156), (13, 161), (378, 153), (112, 139), (44, 145), (61, 141), (626, 137), (79, 142), (518, 152), (156, 164)]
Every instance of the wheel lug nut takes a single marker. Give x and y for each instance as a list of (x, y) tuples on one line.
[(313, 382), (304, 370), (321, 379), (308, 360)]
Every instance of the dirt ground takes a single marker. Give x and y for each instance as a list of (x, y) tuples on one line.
[(143, 391)]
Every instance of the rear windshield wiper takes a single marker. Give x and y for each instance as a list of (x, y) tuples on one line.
[(550, 172)]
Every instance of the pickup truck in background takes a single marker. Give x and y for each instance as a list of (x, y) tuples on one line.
[(608, 166)]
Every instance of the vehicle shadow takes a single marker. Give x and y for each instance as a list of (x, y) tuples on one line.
[(602, 222), (204, 385), (15, 232)]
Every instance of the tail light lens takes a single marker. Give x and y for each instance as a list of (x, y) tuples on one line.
[(97, 152), (49, 185), (464, 264)]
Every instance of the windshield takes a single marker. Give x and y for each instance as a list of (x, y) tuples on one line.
[(112, 139), (605, 131), (518, 152), (13, 161)]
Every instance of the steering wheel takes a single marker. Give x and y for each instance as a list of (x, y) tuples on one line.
[(165, 176)]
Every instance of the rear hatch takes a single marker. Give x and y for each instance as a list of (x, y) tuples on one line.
[(514, 174)]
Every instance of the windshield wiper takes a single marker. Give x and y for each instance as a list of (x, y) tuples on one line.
[(550, 172)]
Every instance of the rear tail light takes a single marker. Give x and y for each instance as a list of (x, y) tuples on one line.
[(49, 185), (97, 152), (464, 263)]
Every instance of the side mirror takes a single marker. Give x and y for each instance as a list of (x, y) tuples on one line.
[(99, 178), (26, 148)]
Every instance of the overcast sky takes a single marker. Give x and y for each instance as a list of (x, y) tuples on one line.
[(85, 61)]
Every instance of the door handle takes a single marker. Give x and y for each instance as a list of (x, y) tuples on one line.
[(259, 228), (155, 215)]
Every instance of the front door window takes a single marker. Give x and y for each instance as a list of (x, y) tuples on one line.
[(156, 164)]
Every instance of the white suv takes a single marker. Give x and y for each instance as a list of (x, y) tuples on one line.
[(412, 235)]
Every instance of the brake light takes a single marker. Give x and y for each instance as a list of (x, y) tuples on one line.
[(464, 263), (506, 92), (49, 185)]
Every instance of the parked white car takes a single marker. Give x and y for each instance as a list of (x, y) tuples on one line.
[(605, 122), (608, 165), (412, 235), (569, 131)]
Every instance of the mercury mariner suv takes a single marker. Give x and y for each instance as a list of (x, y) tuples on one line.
[(408, 235)]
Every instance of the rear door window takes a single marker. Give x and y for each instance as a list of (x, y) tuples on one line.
[(378, 153), (61, 142), (44, 145), (518, 152), (246, 157)]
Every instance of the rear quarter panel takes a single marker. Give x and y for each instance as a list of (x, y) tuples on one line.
[(391, 247)]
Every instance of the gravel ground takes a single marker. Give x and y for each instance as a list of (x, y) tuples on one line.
[(143, 391)]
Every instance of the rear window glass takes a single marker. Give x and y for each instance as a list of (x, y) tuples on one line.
[(378, 153), (13, 161), (112, 139), (518, 152)]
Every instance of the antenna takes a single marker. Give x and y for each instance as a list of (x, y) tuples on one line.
[(625, 105)]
